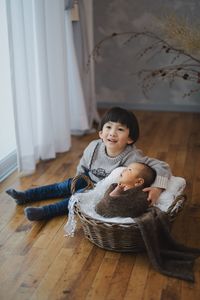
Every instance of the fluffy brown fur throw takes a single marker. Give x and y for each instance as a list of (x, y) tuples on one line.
[(166, 255), (129, 203)]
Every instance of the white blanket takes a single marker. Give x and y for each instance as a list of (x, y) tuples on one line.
[(88, 200)]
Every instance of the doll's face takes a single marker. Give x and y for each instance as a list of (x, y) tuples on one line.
[(131, 175)]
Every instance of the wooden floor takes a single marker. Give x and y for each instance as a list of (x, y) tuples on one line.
[(38, 262)]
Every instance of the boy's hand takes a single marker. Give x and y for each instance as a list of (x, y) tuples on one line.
[(154, 194)]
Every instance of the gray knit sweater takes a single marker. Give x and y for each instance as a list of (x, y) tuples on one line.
[(99, 165)]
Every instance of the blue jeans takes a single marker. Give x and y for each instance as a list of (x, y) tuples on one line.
[(56, 190)]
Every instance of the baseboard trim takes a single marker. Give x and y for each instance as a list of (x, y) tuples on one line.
[(151, 107), (8, 165)]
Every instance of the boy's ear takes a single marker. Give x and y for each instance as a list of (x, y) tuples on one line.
[(100, 134), (130, 141)]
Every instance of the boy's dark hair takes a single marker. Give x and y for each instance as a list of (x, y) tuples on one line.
[(123, 116), (148, 174)]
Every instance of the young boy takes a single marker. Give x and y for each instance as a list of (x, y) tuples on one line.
[(127, 198), (119, 131)]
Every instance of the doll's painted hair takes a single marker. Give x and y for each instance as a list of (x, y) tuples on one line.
[(123, 116)]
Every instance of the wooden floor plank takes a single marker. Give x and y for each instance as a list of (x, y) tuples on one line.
[(72, 271), (120, 278), (101, 284), (14, 277), (47, 284), (38, 262), (154, 285), (84, 281), (138, 279)]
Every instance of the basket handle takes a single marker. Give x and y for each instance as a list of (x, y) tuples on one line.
[(177, 206), (90, 184)]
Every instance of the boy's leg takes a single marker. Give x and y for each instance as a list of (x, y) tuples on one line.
[(56, 190), (53, 210), (48, 211)]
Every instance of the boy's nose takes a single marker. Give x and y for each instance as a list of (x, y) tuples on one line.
[(112, 132)]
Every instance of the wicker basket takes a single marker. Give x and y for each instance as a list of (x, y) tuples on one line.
[(121, 237)]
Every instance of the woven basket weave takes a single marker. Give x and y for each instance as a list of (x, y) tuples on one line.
[(120, 237)]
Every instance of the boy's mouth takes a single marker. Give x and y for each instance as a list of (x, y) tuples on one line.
[(111, 141)]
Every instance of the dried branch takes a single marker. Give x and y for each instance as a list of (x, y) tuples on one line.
[(188, 69)]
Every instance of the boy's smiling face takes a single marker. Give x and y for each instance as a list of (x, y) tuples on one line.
[(115, 137)]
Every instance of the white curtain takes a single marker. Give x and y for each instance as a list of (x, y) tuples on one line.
[(47, 85), (39, 80)]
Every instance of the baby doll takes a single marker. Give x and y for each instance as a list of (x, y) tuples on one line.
[(127, 198)]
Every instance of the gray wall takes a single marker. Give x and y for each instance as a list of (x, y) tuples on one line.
[(114, 68)]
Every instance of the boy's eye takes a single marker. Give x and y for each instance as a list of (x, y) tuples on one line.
[(108, 126), (121, 129)]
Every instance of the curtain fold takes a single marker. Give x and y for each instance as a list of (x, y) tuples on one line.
[(39, 68), (78, 114), (84, 44), (88, 70), (53, 92)]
